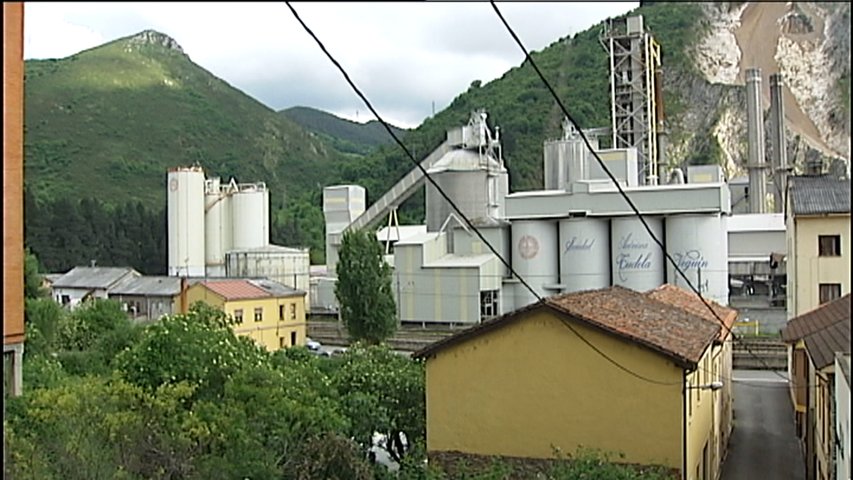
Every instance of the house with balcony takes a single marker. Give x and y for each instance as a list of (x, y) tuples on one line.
[(271, 314), (610, 369)]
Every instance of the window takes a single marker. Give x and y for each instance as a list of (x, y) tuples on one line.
[(292, 338), (829, 292), (281, 342), (281, 312), (259, 314), (488, 304), (293, 311), (66, 299), (829, 245), (238, 315)]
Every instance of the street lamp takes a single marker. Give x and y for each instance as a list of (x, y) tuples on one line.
[(713, 386)]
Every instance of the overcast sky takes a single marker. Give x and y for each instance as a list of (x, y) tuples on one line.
[(405, 57)]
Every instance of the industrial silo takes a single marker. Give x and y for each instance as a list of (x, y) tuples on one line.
[(185, 204), (637, 260), (534, 258), (698, 243), (218, 228), (566, 160), (475, 181), (584, 253), (250, 216)]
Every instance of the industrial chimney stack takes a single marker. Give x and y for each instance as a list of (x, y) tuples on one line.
[(779, 159), (755, 132)]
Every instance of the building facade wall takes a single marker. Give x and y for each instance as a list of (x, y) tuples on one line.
[(842, 424), (824, 426), (13, 173), (73, 297), (532, 384), (282, 321), (809, 269), (141, 307)]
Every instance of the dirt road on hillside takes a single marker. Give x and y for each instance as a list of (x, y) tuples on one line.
[(757, 38)]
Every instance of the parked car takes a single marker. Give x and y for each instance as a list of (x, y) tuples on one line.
[(312, 344)]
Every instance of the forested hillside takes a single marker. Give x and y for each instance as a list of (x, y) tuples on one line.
[(106, 123), (348, 137), (104, 126)]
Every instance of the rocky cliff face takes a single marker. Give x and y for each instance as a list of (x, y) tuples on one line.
[(808, 43)]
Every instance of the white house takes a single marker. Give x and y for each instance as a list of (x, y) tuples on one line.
[(83, 283)]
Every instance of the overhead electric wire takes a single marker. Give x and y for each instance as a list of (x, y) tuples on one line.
[(455, 208), (610, 175)]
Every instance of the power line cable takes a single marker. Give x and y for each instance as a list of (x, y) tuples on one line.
[(615, 181), (453, 204)]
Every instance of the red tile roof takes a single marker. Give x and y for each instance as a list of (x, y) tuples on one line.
[(817, 319), (688, 301), (633, 316), (236, 289)]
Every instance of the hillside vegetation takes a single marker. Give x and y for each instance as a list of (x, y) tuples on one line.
[(111, 120), (348, 137), (518, 102)]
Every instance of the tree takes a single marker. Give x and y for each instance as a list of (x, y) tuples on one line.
[(364, 289), (383, 392), (32, 278)]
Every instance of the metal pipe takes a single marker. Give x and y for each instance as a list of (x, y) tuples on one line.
[(755, 136), (779, 159)]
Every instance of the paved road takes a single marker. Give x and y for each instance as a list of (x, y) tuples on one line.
[(764, 443)]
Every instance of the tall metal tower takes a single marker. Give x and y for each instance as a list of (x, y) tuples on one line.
[(636, 109)]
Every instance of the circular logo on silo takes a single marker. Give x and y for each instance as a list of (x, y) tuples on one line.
[(173, 184), (528, 247)]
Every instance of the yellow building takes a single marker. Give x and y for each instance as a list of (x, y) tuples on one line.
[(818, 229), (271, 314), (721, 358), (813, 338), (610, 369)]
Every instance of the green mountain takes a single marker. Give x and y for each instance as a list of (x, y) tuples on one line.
[(108, 122), (346, 136)]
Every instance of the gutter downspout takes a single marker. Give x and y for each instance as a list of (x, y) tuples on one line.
[(684, 401)]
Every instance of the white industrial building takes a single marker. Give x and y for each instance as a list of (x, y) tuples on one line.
[(579, 234), (222, 230)]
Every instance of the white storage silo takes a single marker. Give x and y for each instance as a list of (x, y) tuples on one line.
[(637, 260), (698, 244), (584, 253), (250, 216), (185, 205), (476, 183), (534, 258), (217, 226)]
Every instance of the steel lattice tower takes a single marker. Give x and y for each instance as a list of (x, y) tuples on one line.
[(636, 107)]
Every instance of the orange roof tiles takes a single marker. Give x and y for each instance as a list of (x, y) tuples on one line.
[(688, 301), (236, 289), (667, 329)]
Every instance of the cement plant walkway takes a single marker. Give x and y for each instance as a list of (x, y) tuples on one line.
[(763, 443)]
